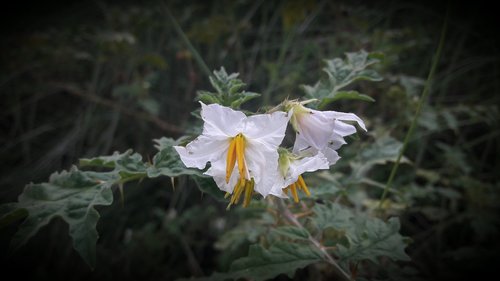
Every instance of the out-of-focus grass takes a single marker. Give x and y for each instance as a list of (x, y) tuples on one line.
[(115, 76)]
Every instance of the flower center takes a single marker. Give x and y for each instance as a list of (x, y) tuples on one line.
[(236, 154), (299, 184)]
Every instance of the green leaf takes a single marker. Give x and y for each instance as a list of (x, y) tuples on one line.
[(10, 214), (244, 97), (332, 215), (130, 167), (345, 95), (104, 161), (371, 238), (71, 196), (292, 232), (342, 73), (384, 150), (167, 162), (229, 90), (207, 185), (368, 237), (262, 264)]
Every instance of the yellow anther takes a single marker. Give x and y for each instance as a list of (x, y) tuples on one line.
[(240, 154), (248, 192), (300, 182), (293, 188), (231, 159)]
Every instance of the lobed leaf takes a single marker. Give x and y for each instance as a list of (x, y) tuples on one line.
[(229, 90), (71, 196), (368, 238), (342, 73)]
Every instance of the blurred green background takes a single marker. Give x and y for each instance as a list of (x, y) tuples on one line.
[(83, 79)]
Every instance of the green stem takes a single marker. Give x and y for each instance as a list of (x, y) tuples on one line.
[(201, 63), (425, 94)]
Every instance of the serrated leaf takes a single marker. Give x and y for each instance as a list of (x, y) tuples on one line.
[(368, 237), (167, 162), (71, 196), (104, 161), (244, 97), (229, 90), (262, 264), (342, 73), (206, 97), (385, 149), (332, 215), (131, 167), (371, 238), (292, 232), (324, 190)]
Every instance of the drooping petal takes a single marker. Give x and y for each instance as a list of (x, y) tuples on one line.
[(267, 128), (202, 150), (315, 127), (344, 116), (220, 121), (344, 129), (331, 155), (336, 141), (306, 164)]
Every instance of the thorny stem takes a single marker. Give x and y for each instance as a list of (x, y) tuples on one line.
[(344, 276), (425, 94)]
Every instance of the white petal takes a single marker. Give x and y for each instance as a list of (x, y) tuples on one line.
[(336, 141), (202, 150), (218, 172), (306, 164), (220, 121), (331, 155), (300, 144), (262, 164), (277, 189), (344, 129), (346, 117), (315, 127), (267, 128)]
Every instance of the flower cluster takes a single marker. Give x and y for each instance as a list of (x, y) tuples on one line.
[(245, 154)]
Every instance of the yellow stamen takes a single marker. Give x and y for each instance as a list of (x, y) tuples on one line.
[(231, 159), (240, 154), (238, 189), (293, 188), (248, 192), (301, 183)]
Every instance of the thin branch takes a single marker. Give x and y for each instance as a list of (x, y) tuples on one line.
[(344, 276), (116, 106)]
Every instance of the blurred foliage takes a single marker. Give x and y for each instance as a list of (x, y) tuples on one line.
[(91, 79)]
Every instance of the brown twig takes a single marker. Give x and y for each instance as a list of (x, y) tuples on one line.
[(114, 105), (344, 276)]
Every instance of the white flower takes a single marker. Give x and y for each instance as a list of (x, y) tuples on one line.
[(291, 168), (230, 140), (321, 131)]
